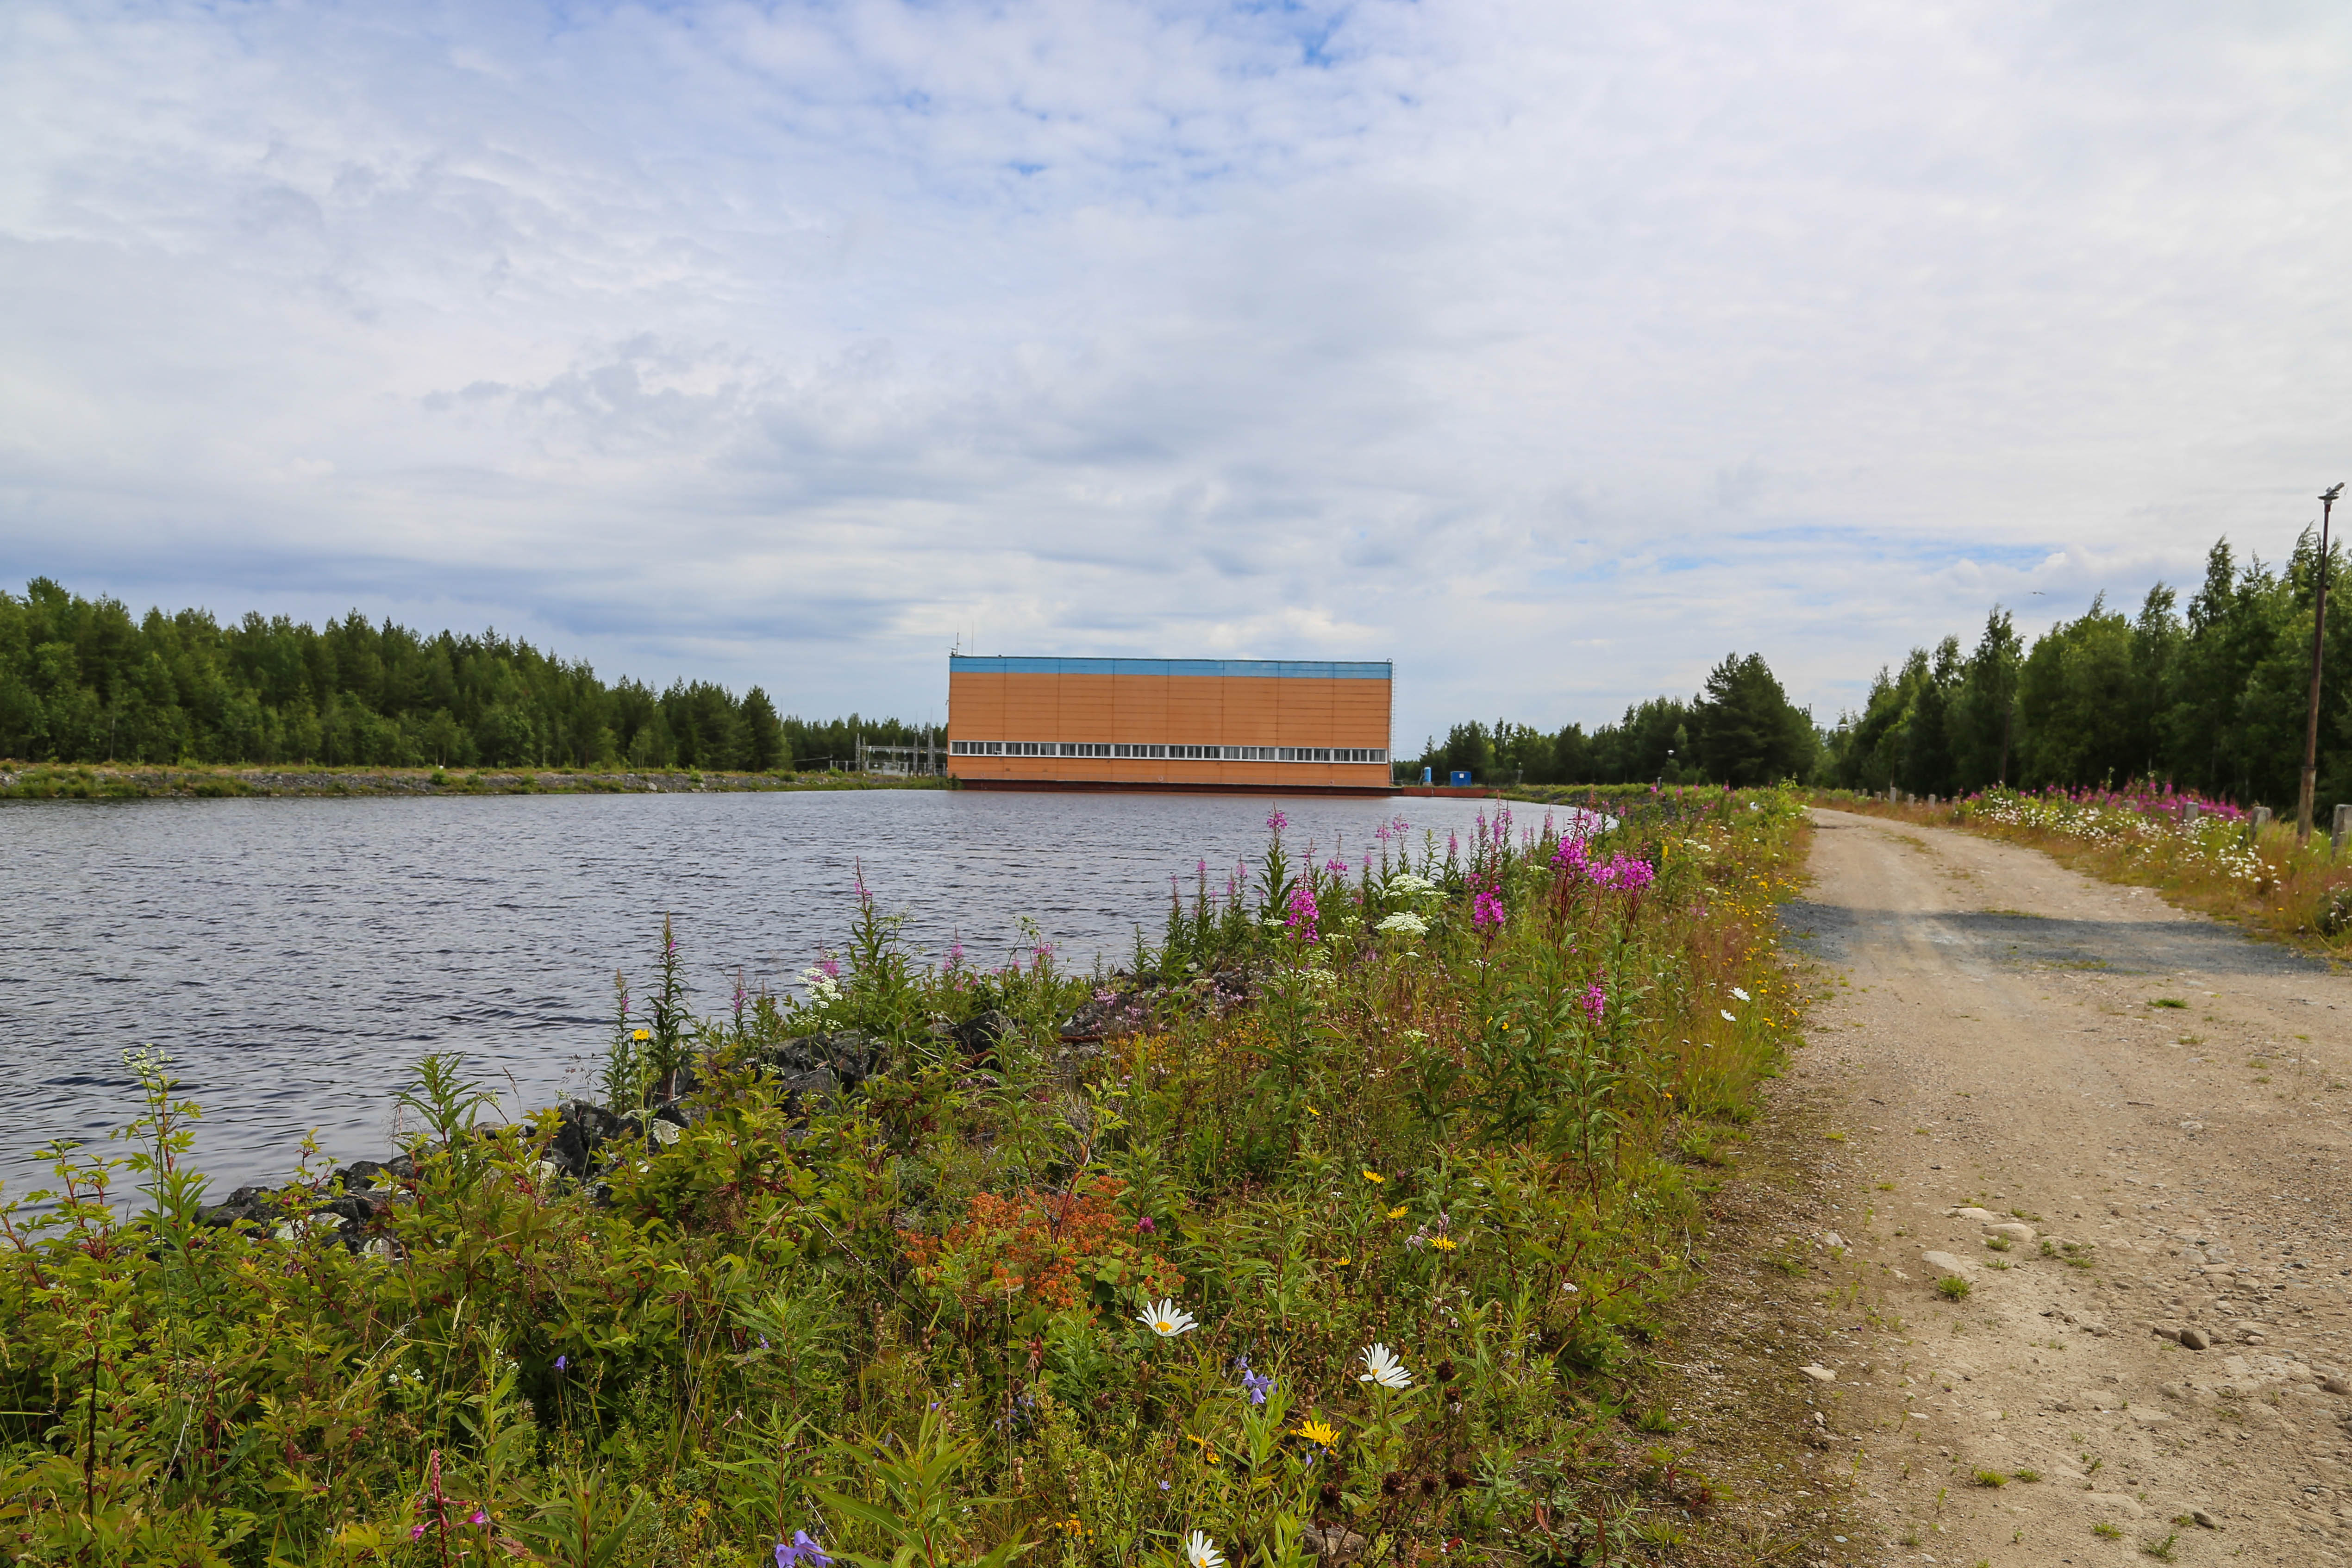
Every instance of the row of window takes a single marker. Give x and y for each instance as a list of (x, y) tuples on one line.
[(1170, 753)]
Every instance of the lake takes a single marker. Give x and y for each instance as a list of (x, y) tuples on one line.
[(296, 956)]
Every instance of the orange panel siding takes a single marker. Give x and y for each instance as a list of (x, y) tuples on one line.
[(1253, 713), (1196, 713), (975, 706), (1359, 719), (1084, 706), (1110, 703), (1140, 710)]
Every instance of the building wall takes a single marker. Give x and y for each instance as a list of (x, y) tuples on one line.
[(1146, 702)]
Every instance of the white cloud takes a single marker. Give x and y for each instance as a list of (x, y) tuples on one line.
[(1553, 350)]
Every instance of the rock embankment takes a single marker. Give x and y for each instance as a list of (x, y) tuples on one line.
[(806, 1073)]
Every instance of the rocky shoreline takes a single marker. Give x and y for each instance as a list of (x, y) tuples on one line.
[(805, 1073)]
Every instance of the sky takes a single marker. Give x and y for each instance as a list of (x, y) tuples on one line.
[(1552, 350)]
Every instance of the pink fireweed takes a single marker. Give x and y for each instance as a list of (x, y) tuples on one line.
[(1485, 907), (1303, 913), (1596, 1001), (1629, 872), (1275, 821)]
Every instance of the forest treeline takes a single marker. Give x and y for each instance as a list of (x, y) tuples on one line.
[(1741, 729), (82, 681), (2211, 696)]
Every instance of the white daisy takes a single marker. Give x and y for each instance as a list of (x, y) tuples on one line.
[(1162, 1318), (1382, 1366), (1727, 1015), (1202, 1553), (1740, 994)]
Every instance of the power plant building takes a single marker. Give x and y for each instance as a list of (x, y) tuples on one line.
[(1169, 724)]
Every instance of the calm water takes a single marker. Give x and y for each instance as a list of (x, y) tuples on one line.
[(296, 956)]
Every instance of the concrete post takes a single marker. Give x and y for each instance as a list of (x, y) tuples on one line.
[(2261, 817), (2343, 831), (2190, 813)]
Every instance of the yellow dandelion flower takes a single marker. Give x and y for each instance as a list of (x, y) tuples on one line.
[(1375, 1178), (1398, 1212), (1319, 1432), (1342, 1261), (643, 1034), (1442, 1243)]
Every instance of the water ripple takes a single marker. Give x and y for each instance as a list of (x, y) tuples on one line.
[(296, 956)]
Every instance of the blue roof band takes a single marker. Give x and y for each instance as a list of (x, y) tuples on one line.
[(1278, 669)]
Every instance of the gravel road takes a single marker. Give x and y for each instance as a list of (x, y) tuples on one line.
[(2156, 1106)]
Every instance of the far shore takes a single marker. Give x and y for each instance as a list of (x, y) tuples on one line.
[(132, 781)]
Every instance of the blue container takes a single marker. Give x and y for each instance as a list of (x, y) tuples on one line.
[(1459, 778), (1425, 775)]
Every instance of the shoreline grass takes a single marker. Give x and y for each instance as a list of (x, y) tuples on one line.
[(132, 781), (1334, 1228)]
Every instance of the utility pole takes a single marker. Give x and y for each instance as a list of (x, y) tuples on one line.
[(2318, 642)]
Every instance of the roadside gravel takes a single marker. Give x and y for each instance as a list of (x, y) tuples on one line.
[(2070, 1133)]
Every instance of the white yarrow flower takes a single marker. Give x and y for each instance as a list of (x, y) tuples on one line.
[(1382, 1366), (1162, 1318), (1404, 924), (1728, 1017), (1202, 1553), (1740, 994)]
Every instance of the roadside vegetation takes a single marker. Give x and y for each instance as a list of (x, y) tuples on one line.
[(2211, 695), (2201, 853), (1331, 1229)]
